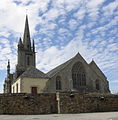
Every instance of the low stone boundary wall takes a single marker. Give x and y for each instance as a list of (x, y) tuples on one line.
[(28, 103), (49, 103), (76, 103)]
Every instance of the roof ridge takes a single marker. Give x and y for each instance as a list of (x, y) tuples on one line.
[(59, 67), (34, 73), (93, 62)]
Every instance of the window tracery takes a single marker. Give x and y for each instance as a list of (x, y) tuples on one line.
[(78, 75)]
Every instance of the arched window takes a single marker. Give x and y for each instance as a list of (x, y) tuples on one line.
[(58, 83), (97, 84), (78, 75), (28, 61)]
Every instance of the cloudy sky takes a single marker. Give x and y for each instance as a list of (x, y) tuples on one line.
[(61, 28)]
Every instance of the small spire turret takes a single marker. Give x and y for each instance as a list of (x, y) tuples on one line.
[(8, 67), (20, 42)]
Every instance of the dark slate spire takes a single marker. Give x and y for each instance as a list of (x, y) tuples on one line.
[(33, 47), (26, 37), (8, 67)]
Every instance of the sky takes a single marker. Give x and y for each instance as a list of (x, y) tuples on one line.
[(61, 29)]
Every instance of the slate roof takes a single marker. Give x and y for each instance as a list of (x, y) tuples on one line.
[(62, 66), (99, 72), (34, 73), (59, 68)]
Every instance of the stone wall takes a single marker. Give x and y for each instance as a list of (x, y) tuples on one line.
[(27, 103), (49, 103), (76, 103)]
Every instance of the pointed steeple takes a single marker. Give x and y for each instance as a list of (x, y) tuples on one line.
[(8, 67), (26, 37), (33, 46), (26, 52)]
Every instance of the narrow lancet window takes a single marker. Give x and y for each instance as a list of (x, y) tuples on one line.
[(58, 83)]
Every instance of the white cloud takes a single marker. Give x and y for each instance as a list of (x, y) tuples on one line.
[(114, 81), (94, 3), (93, 8), (6, 53), (53, 13), (73, 24), (110, 8)]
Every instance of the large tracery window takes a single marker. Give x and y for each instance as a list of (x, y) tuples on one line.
[(78, 75), (58, 83)]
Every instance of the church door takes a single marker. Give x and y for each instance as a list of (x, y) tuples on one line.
[(34, 90)]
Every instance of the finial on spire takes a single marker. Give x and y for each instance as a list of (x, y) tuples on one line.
[(26, 11)]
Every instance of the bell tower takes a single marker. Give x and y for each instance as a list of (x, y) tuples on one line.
[(26, 51)]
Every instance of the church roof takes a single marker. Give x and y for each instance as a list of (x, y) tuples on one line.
[(94, 66), (33, 72), (59, 68), (62, 66)]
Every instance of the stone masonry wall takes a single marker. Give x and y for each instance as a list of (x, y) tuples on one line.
[(48, 103), (76, 103), (27, 103)]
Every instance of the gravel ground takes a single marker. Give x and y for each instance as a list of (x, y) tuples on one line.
[(83, 116)]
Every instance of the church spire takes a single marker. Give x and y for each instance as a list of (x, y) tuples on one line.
[(26, 37), (8, 67), (26, 52)]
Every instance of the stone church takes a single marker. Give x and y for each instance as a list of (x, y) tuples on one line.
[(74, 75)]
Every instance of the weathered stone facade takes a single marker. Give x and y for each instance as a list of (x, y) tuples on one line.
[(92, 73), (47, 103)]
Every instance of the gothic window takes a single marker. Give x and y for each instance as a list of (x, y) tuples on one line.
[(58, 83), (97, 85), (78, 75), (28, 61)]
